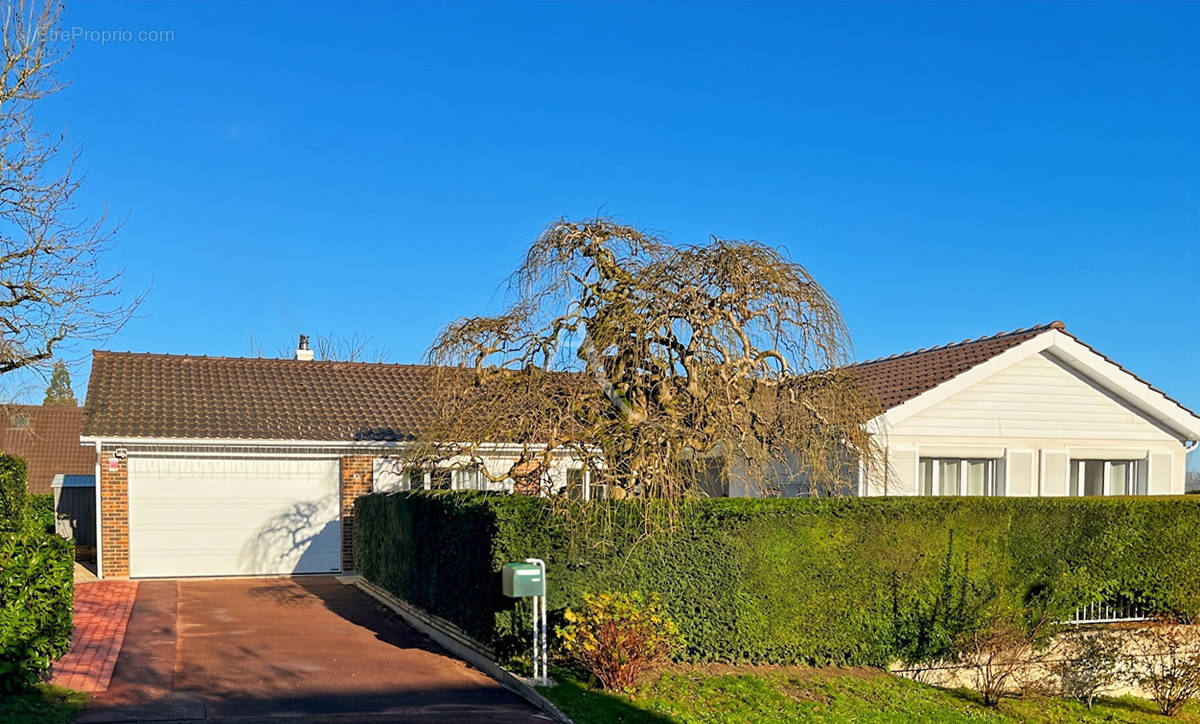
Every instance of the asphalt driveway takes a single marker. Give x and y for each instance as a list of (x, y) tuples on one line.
[(267, 649)]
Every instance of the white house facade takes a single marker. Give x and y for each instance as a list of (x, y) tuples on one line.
[(1030, 413)]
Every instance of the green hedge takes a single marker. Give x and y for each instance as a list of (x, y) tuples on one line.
[(36, 582), (833, 581), (39, 511), (14, 488)]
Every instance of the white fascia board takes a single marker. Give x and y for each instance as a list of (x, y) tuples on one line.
[(365, 445), (953, 386), (1126, 386)]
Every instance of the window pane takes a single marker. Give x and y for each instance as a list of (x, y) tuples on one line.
[(712, 480), (416, 479), (976, 477), (470, 479), (926, 472), (575, 483), (1093, 477), (951, 485), (1118, 478), (441, 479)]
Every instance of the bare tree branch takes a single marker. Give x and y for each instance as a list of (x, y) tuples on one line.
[(52, 288), (658, 365)]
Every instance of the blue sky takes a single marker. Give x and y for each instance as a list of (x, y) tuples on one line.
[(947, 170)]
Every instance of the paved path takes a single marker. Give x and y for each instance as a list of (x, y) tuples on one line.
[(281, 649), (101, 613)]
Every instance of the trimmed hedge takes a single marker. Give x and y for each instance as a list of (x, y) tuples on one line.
[(826, 581)]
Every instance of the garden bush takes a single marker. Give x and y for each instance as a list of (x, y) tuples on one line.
[(39, 512), (13, 491), (824, 581), (36, 596), (618, 636)]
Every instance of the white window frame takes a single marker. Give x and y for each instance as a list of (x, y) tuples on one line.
[(586, 483), (1076, 478), (990, 482)]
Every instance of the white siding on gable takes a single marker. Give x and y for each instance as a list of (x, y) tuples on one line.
[(1035, 397)]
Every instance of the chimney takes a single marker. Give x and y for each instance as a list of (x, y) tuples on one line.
[(302, 351)]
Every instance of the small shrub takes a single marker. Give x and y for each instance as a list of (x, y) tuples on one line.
[(1004, 653), (1166, 663), (619, 636), (36, 592), (39, 512), (13, 491), (1092, 667)]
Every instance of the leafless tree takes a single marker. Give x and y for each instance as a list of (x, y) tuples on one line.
[(52, 288), (661, 366), (356, 347)]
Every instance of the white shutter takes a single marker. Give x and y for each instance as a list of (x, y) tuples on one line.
[(902, 472), (1142, 487), (1160, 474), (1021, 480), (1056, 471)]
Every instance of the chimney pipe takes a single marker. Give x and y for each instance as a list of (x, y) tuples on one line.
[(302, 351)]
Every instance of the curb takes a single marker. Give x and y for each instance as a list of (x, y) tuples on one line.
[(457, 646)]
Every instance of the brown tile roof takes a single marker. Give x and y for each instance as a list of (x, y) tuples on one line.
[(50, 443), (176, 396), (901, 377)]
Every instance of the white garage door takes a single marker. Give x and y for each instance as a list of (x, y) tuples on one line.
[(212, 517)]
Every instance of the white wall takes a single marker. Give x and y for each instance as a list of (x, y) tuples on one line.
[(1035, 415)]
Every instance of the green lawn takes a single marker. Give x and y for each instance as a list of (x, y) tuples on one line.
[(833, 695), (45, 703)]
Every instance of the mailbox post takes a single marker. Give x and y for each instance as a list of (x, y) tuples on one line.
[(528, 580)]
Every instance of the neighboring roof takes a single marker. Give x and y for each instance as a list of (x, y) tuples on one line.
[(236, 398), (901, 377), (50, 443)]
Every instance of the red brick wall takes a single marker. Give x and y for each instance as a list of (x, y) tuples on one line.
[(357, 479), (114, 517)]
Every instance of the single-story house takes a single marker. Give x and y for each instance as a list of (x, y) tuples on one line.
[(1035, 412), (213, 466)]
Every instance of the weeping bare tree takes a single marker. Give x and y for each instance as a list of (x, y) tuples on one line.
[(52, 288), (662, 367)]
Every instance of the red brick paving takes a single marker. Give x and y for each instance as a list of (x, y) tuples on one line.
[(101, 613)]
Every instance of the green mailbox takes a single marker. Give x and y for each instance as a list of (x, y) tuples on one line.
[(522, 580)]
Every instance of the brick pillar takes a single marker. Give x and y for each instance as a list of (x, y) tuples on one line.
[(114, 516), (357, 479)]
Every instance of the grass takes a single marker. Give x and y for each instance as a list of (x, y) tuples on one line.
[(43, 704), (831, 695)]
